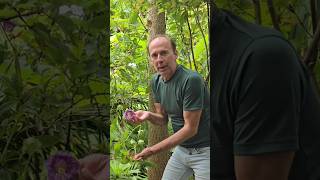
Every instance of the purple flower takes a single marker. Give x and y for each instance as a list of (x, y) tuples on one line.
[(8, 25), (130, 115), (62, 166)]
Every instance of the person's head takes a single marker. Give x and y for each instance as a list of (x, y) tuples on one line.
[(163, 55)]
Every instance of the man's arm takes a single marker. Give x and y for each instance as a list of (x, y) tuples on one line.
[(266, 127), (160, 117), (268, 166), (190, 128)]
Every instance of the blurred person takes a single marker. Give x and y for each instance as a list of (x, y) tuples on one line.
[(264, 105)]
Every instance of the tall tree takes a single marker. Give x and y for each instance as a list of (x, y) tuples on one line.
[(157, 133)]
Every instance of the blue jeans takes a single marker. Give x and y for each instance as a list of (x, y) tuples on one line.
[(187, 161)]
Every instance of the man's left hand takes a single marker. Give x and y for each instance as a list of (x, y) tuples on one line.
[(143, 154)]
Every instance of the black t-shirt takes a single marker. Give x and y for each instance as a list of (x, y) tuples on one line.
[(262, 99)]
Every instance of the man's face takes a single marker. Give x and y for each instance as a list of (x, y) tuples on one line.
[(162, 57)]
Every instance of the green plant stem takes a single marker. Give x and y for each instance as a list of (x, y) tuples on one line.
[(16, 61), (191, 42), (4, 152), (204, 39)]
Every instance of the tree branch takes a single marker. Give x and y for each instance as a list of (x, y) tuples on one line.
[(314, 53), (273, 15), (291, 9), (191, 43), (184, 42), (204, 38), (20, 15), (257, 10), (309, 59), (313, 15), (16, 60), (144, 26)]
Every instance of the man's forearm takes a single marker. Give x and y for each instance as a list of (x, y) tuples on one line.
[(190, 128), (174, 140), (275, 165), (157, 118)]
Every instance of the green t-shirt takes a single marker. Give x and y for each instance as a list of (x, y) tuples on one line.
[(185, 91), (263, 99)]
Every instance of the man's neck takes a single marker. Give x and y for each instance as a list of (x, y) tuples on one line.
[(171, 75)]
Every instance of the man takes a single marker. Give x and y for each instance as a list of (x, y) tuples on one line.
[(264, 106), (180, 94)]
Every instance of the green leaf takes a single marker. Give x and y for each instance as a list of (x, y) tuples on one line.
[(85, 91), (76, 69), (117, 148), (98, 87), (133, 18), (31, 145), (55, 55), (4, 13), (98, 22), (48, 141), (66, 25)]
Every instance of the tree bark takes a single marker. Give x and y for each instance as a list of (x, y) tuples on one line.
[(156, 23)]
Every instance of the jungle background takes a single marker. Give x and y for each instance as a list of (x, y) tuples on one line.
[(54, 83), (54, 73), (133, 22)]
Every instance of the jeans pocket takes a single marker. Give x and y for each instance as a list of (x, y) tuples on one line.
[(205, 151)]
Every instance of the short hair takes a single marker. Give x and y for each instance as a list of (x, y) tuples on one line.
[(172, 42)]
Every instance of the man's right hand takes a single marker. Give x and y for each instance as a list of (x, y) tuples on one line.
[(142, 116), (159, 117)]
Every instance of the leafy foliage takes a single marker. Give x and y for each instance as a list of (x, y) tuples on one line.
[(187, 24), (293, 16), (53, 83)]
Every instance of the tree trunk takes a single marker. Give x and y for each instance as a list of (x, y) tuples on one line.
[(156, 23)]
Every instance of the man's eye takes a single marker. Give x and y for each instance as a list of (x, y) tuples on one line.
[(163, 53)]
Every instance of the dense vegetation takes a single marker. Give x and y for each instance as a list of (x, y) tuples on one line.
[(187, 22), (53, 83), (54, 68), (295, 19)]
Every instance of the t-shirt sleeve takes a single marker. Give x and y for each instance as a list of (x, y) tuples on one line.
[(268, 98), (193, 98)]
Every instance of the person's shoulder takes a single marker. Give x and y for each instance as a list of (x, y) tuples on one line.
[(271, 45), (188, 71), (271, 52), (192, 75), (155, 78), (249, 29)]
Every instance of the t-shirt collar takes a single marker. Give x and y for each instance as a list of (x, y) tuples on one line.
[(174, 74)]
